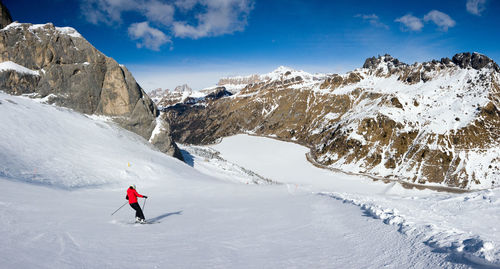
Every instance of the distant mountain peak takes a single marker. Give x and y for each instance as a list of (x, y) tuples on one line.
[(183, 88), (386, 59), (283, 69)]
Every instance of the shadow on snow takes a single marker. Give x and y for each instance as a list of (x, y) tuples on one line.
[(188, 158), (161, 217)]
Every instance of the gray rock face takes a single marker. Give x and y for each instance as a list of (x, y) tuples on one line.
[(18, 83), (5, 18), (474, 60), (73, 74), (163, 141)]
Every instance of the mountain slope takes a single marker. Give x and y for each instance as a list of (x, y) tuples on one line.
[(68, 71), (433, 123), (81, 166)]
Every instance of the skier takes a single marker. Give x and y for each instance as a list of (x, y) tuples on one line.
[(132, 200)]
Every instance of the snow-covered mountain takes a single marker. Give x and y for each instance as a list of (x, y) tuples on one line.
[(63, 173), (248, 202), (157, 94), (228, 86), (282, 73), (58, 65), (180, 94), (432, 123)]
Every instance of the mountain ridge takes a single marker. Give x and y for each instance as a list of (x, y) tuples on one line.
[(427, 123)]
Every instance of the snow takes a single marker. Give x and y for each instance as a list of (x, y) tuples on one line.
[(464, 225), (8, 65), (69, 31), (65, 160), (237, 83), (63, 30), (446, 102), (159, 128), (63, 173), (232, 88), (40, 27), (281, 73), (12, 25)]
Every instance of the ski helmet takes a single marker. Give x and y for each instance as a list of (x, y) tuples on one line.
[(132, 186)]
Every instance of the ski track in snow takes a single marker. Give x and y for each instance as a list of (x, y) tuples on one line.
[(62, 174)]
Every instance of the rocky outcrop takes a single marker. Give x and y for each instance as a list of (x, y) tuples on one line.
[(474, 60), (374, 62), (427, 123), (70, 72), (5, 18)]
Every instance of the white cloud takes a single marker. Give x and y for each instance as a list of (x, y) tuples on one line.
[(442, 20), (475, 6), (410, 22), (200, 18), (149, 37), (373, 19), (218, 18), (185, 4), (157, 11), (106, 11)]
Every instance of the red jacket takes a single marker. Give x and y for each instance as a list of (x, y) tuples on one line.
[(132, 195)]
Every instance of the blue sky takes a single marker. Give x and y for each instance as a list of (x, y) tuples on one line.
[(167, 43)]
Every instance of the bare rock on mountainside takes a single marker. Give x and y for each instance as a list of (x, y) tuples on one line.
[(5, 18), (431, 123), (68, 71), (178, 95), (474, 60)]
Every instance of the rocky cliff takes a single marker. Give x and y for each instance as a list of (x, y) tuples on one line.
[(66, 70), (5, 18), (432, 123)]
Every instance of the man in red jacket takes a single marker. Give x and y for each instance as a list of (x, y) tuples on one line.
[(132, 200)]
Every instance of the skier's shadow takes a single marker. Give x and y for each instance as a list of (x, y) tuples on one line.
[(160, 217)]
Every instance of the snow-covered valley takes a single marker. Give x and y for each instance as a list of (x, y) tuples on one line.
[(63, 173)]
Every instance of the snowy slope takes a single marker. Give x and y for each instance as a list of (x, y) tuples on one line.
[(8, 65), (63, 173), (446, 103), (52, 145), (464, 225)]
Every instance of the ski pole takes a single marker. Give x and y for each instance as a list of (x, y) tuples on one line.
[(119, 208), (144, 204)]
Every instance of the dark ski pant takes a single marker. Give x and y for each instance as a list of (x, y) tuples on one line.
[(138, 211)]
